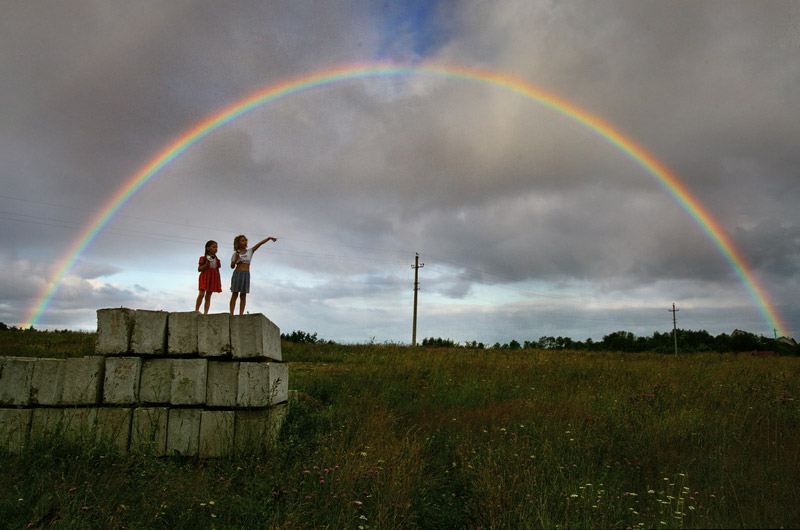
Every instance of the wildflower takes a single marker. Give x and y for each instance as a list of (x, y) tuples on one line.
[(84, 508), (308, 497), (71, 490)]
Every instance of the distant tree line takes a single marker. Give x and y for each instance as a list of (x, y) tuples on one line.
[(619, 341), (625, 341)]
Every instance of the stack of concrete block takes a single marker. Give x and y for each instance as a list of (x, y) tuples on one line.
[(159, 383)]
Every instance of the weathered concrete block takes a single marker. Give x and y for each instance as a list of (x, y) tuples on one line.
[(222, 384), (83, 379), (182, 333), (149, 335), (183, 431), (121, 381), (214, 335), (71, 424), (47, 383), (262, 384), (189, 381), (258, 429), (114, 427), (46, 422), (149, 431), (114, 328), (16, 374), (79, 424), (279, 382), (255, 337), (155, 385), (14, 427), (216, 433)]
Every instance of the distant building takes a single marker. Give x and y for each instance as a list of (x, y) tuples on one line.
[(787, 340)]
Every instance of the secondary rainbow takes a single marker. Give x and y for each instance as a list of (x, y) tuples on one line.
[(669, 181)]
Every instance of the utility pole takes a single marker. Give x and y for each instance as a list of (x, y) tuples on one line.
[(416, 266), (674, 326)]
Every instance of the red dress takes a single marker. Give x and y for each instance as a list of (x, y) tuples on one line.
[(209, 278)]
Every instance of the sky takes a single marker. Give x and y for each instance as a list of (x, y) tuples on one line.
[(528, 223)]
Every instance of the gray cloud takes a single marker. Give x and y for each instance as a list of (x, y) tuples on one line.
[(494, 190)]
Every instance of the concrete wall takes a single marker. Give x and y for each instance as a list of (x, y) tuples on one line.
[(159, 383)]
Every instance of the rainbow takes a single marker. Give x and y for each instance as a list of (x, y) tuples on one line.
[(648, 162)]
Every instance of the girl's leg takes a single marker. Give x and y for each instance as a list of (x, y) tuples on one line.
[(208, 302), (242, 302), (199, 299), (233, 301)]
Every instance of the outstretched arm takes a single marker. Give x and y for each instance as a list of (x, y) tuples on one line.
[(255, 247)]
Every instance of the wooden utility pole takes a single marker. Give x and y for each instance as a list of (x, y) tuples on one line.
[(674, 326), (416, 266)]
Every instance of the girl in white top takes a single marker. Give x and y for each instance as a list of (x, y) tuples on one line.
[(240, 262)]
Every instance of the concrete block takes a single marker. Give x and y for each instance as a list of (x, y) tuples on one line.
[(222, 384), (255, 337), (16, 374), (149, 431), (182, 333), (183, 431), (121, 381), (258, 429), (216, 433), (262, 384), (14, 427), (48, 381), (71, 424), (114, 428), (79, 425), (155, 385), (46, 423), (214, 335), (83, 380), (189, 381), (279, 382), (149, 335), (114, 328)]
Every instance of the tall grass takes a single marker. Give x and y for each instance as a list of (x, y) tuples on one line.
[(56, 344), (395, 437)]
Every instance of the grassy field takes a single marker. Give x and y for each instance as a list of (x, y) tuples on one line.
[(395, 437)]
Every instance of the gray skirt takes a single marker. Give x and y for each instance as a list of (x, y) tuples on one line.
[(240, 282)]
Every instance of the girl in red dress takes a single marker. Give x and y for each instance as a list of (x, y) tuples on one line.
[(209, 276)]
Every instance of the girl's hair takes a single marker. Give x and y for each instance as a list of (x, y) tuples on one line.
[(209, 243), (236, 242)]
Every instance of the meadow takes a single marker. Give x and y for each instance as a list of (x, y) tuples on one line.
[(389, 436)]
